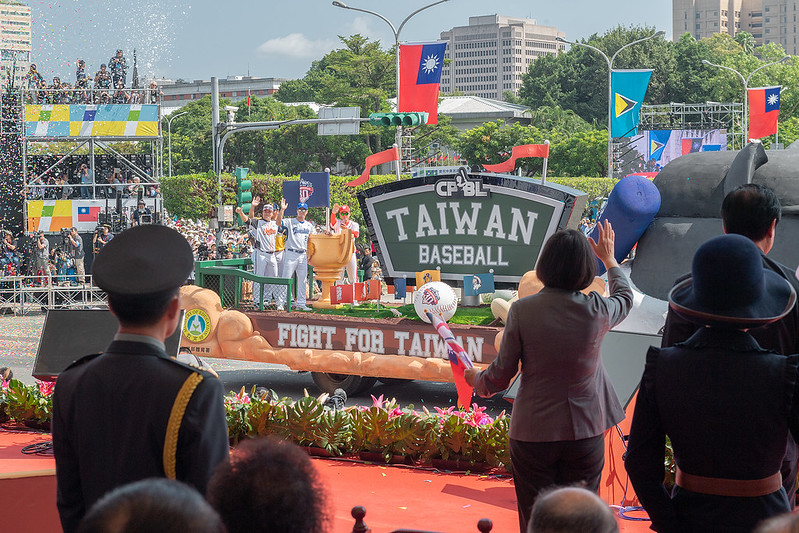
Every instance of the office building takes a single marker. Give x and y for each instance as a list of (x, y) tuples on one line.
[(490, 55), (236, 88), (769, 21), (15, 41)]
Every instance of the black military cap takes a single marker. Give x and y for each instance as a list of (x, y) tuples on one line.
[(143, 260)]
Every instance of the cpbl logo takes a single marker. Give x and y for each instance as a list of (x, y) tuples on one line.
[(430, 296), (460, 186), (306, 190)]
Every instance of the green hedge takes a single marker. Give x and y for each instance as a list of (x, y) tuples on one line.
[(194, 195)]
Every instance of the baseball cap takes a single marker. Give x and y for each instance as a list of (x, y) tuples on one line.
[(302, 205), (275, 207), (344, 209), (270, 207)]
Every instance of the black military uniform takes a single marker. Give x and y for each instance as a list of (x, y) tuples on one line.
[(133, 412)]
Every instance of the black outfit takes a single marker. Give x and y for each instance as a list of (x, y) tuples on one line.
[(781, 337), (118, 68), (366, 265), (110, 415), (727, 405)]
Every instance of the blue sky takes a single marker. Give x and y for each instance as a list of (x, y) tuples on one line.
[(199, 39)]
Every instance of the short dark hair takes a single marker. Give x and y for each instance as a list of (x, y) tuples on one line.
[(567, 261), (138, 310), (153, 504), (268, 485), (567, 509), (749, 210)]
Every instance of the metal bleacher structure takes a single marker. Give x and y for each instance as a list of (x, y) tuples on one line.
[(45, 135)]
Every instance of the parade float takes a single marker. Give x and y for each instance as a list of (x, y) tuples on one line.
[(458, 224)]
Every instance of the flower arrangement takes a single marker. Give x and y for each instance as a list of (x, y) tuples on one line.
[(384, 429), (30, 405)]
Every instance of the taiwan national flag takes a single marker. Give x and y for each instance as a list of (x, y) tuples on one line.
[(420, 74), (88, 214), (764, 110)]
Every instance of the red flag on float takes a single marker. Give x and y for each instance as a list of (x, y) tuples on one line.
[(764, 110), (341, 294), (420, 74), (518, 152), (392, 154), (458, 360)]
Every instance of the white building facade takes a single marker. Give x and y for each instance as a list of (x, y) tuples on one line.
[(490, 55), (15, 42)]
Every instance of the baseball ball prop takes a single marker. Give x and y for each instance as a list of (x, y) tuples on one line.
[(436, 298)]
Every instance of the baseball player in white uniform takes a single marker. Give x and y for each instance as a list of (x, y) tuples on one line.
[(346, 223), (295, 258), (263, 232)]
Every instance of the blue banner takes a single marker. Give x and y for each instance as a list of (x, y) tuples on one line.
[(478, 284), (658, 139), (313, 188), (628, 89), (400, 288)]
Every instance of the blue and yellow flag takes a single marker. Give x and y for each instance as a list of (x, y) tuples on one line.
[(627, 89), (658, 139)]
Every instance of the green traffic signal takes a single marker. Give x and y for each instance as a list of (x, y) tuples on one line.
[(398, 119), (243, 190)]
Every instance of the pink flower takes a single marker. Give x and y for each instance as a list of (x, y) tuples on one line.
[(377, 402), (46, 387), (396, 412)]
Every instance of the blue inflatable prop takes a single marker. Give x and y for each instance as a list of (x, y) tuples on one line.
[(631, 207)]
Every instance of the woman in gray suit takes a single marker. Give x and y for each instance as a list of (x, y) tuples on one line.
[(565, 401)]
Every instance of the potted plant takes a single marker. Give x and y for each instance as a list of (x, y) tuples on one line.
[(237, 407), (33, 406)]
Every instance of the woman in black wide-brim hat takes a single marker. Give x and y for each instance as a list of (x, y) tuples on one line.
[(726, 403)]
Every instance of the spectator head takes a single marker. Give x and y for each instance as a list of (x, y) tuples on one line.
[(268, 485), (81, 63), (33, 67), (119, 53), (344, 210), (568, 509), (567, 261), (751, 210), (102, 66), (160, 505), (785, 523)]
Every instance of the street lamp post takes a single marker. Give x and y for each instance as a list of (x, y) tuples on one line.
[(396, 32), (609, 61), (746, 89), (169, 136)]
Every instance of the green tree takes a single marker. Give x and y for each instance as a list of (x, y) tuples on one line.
[(577, 80), (583, 154), (746, 40), (492, 142)]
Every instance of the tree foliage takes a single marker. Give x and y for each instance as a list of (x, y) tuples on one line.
[(577, 80)]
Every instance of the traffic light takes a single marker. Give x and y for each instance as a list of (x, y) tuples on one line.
[(398, 119), (243, 190)]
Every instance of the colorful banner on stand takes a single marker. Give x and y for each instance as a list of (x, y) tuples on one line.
[(52, 216), (82, 121), (627, 89), (478, 284)]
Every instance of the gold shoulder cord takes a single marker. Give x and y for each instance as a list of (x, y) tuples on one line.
[(175, 419)]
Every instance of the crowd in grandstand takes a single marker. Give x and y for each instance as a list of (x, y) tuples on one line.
[(107, 86)]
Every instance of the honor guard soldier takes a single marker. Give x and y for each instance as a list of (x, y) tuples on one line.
[(133, 412)]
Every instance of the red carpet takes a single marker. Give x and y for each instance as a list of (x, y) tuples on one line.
[(394, 497)]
